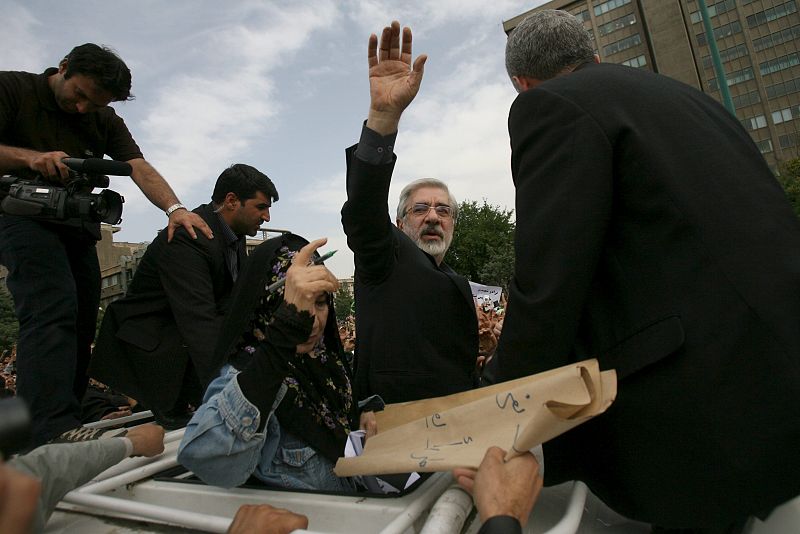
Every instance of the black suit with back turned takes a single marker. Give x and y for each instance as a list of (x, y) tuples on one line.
[(652, 235)]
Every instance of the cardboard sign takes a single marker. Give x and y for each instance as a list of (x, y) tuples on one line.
[(455, 431)]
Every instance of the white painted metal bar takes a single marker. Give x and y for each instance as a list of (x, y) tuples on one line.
[(120, 420), (572, 518), (128, 464), (204, 522), (171, 443), (130, 476), (449, 513), (416, 508)]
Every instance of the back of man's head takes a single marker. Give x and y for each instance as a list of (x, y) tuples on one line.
[(103, 66), (546, 43), (243, 180)]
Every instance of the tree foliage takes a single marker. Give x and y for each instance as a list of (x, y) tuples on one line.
[(789, 178), (343, 302), (9, 327), (483, 244)]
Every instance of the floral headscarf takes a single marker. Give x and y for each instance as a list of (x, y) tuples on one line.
[(318, 406)]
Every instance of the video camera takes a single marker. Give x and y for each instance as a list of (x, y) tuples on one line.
[(41, 199)]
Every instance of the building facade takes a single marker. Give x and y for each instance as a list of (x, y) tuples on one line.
[(757, 42)]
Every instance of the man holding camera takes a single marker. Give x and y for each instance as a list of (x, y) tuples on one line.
[(54, 275)]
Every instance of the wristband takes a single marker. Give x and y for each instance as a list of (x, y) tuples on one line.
[(174, 207)]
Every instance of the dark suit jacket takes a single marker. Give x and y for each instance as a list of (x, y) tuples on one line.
[(171, 314), (652, 235), (417, 331)]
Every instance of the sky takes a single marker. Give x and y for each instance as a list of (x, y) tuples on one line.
[(282, 86)]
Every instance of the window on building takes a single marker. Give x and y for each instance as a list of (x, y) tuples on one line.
[(754, 123), (789, 140), (786, 114), (714, 10), (605, 7), (733, 78), (638, 61), (774, 39), (582, 16), (746, 99), (764, 146), (773, 13), (622, 44), (784, 88), (729, 54), (723, 31), (778, 64), (616, 24)]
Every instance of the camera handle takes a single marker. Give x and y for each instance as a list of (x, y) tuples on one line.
[(98, 166)]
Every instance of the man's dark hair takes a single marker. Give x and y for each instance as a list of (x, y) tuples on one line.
[(103, 66), (243, 180)]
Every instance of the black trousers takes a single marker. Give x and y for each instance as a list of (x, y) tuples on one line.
[(54, 277)]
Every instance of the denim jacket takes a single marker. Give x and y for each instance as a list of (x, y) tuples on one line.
[(221, 444)]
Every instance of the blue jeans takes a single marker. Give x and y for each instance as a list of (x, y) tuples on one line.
[(54, 277), (222, 446)]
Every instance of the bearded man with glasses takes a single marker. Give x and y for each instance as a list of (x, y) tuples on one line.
[(416, 327)]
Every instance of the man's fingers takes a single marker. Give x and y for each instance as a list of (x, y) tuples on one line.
[(170, 232), (405, 56), (386, 39), (190, 229), (63, 171), (372, 50), (495, 454), (417, 71), (394, 47), (466, 482), (304, 255)]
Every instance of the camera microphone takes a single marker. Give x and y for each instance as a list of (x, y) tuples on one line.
[(98, 166)]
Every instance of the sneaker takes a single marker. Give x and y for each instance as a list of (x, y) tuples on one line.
[(77, 435)]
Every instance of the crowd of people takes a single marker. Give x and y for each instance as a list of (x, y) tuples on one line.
[(8, 372), (667, 262)]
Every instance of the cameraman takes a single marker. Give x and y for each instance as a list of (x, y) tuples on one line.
[(54, 274)]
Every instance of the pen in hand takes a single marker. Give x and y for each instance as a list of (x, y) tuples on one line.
[(318, 261)]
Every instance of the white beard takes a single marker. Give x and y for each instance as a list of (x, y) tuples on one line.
[(434, 248)]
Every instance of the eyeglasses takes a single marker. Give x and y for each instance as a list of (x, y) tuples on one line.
[(420, 210)]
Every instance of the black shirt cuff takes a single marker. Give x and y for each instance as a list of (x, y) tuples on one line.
[(501, 524), (374, 148)]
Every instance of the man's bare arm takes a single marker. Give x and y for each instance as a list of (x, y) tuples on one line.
[(48, 164), (158, 191)]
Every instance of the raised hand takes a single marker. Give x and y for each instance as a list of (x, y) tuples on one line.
[(393, 82), (306, 281)]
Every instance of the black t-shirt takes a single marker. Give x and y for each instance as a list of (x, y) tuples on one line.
[(30, 118)]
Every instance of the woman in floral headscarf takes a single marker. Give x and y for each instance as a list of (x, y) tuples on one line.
[(281, 407)]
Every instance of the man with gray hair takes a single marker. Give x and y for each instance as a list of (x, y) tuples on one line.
[(416, 327), (652, 236)]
